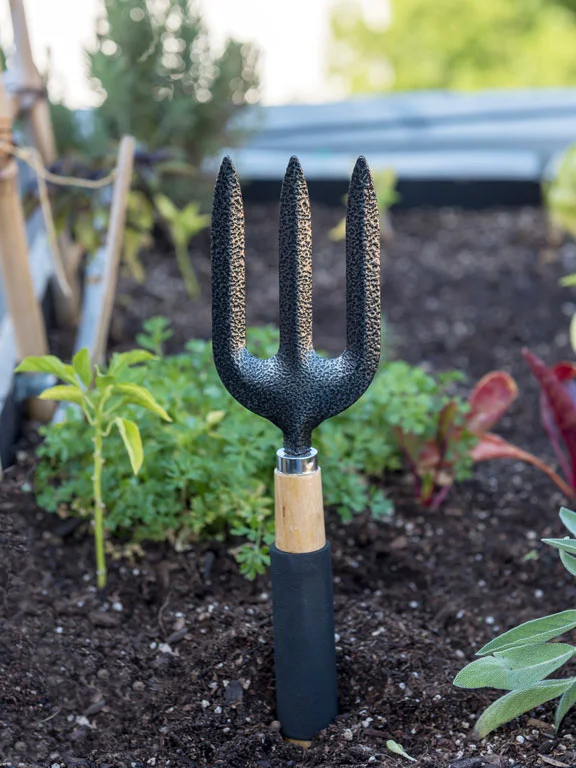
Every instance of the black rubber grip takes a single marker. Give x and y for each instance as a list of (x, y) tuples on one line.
[(304, 646)]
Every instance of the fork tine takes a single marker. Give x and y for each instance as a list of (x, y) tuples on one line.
[(228, 270), (295, 271), (363, 269)]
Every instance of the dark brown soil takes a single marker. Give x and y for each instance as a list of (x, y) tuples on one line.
[(173, 664)]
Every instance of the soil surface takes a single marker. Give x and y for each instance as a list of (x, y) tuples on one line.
[(172, 664)]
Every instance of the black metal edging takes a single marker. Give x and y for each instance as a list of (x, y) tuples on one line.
[(416, 193)]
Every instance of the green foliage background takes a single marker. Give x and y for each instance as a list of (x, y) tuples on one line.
[(451, 44), (162, 81)]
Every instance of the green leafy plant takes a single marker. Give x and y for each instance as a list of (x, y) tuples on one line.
[(209, 474), (103, 398), (183, 225), (386, 195), (520, 660), (560, 198), (156, 332)]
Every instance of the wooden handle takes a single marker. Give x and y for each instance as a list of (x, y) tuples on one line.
[(299, 512)]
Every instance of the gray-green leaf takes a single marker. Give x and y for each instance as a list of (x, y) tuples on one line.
[(565, 704), (398, 749), (532, 632), (568, 517), (564, 545), (131, 436), (518, 667), (47, 364), (81, 365), (132, 393), (569, 562), (517, 703)]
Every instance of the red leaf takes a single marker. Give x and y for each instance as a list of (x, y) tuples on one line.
[(428, 458), (489, 401), (564, 371), (446, 424), (492, 446), (547, 419), (562, 409)]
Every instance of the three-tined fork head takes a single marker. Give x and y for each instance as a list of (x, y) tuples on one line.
[(296, 389)]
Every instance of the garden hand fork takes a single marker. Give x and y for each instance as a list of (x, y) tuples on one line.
[(296, 390)]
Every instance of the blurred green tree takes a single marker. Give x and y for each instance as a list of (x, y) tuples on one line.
[(162, 82), (455, 45)]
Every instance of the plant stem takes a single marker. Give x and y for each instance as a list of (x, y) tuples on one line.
[(186, 269), (98, 504)]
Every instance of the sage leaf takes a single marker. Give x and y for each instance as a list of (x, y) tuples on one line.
[(564, 545), (132, 393), (398, 749), (565, 704), (130, 435), (518, 667), (532, 632), (47, 364), (569, 562), (518, 702), (569, 519), (81, 365), (70, 394)]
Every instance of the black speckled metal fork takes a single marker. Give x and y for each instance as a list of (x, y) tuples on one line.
[(296, 389)]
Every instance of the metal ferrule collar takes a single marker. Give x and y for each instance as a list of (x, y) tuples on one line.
[(297, 465)]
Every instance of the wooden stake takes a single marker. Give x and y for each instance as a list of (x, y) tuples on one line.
[(108, 274), (35, 110), (21, 300), (33, 104), (299, 512), (23, 305)]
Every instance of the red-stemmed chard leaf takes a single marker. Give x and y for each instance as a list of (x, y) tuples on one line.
[(558, 409), (489, 401), (565, 373), (446, 425), (491, 446)]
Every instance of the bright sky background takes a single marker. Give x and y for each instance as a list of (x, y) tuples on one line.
[(292, 35)]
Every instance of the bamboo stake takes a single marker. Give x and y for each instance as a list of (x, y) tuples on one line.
[(31, 86), (23, 306), (35, 109), (113, 247)]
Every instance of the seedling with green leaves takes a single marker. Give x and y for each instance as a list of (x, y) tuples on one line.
[(520, 660), (560, 198), (103, 397), (183, 224)]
